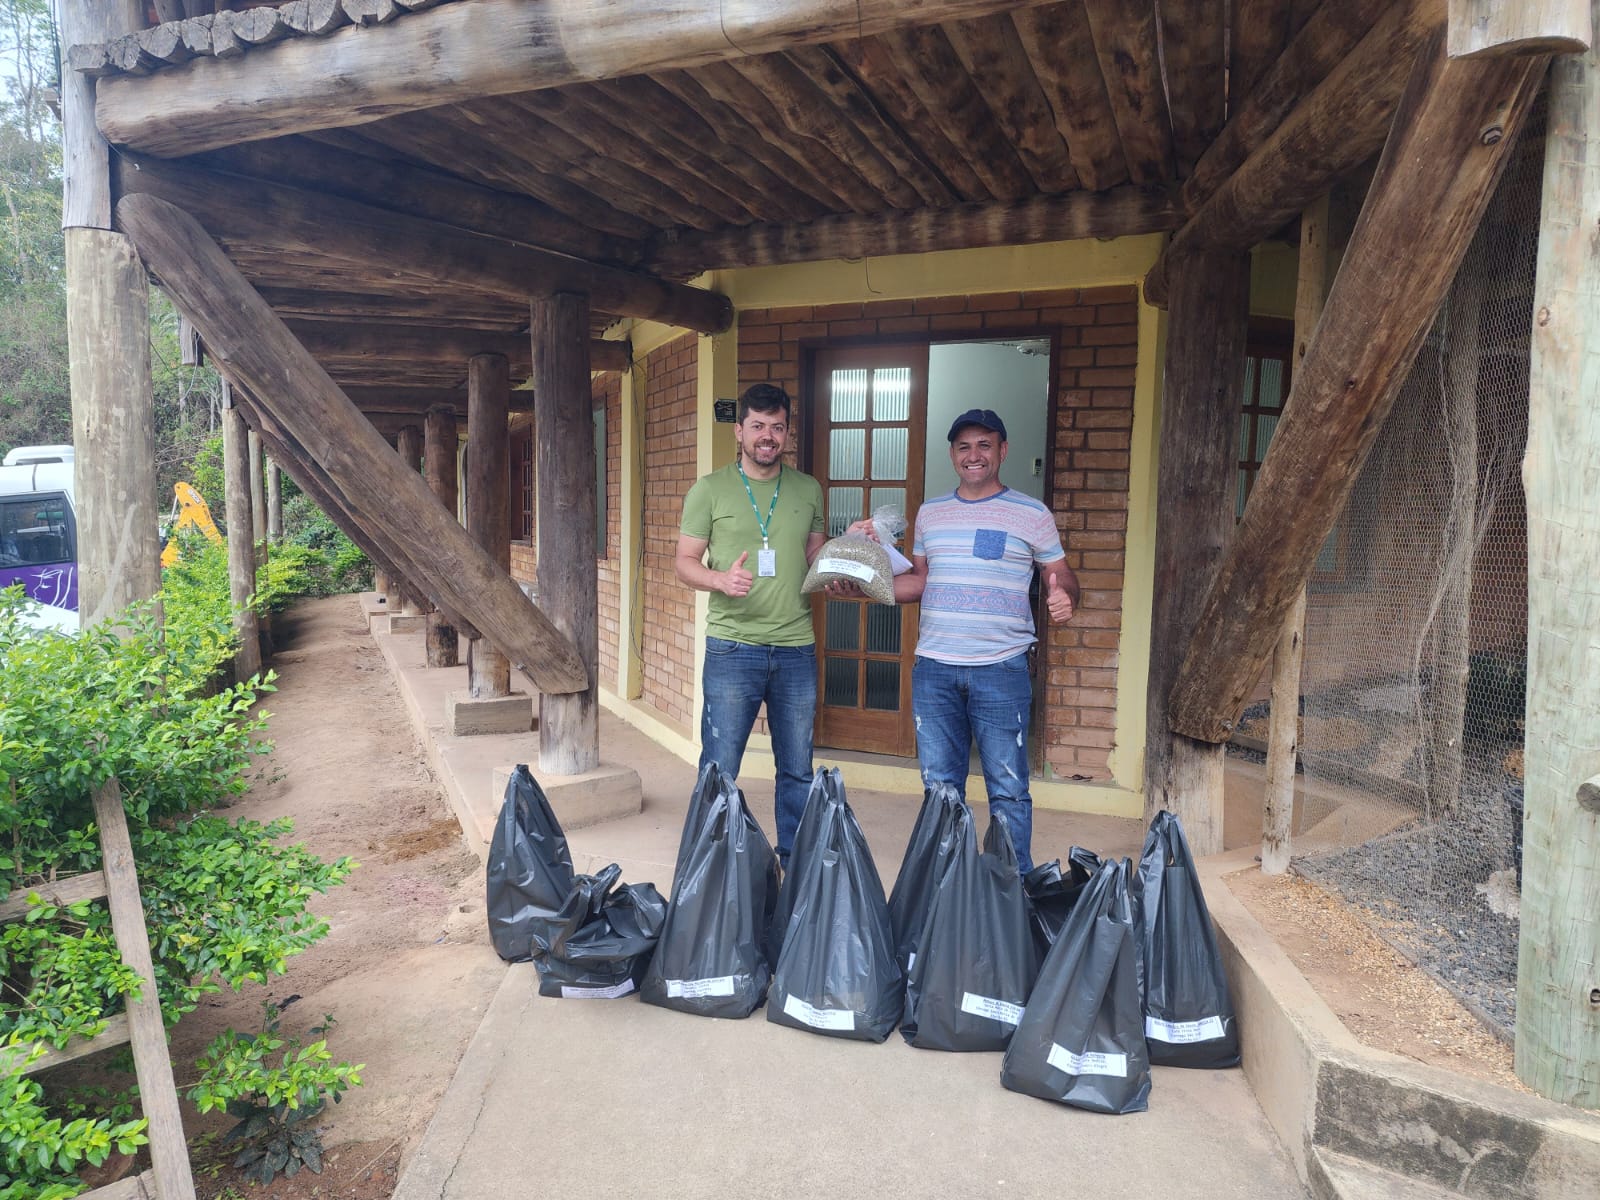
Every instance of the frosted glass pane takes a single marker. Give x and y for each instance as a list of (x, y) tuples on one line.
[(883, 686), (891, 394), (1238, 508), (894, 498), (840, 677), (847, 453), (1244, 437), (1271, 383), (844, 509), (1249, 379), (883, 629), (1264, 426), (847, 396), (888, 453), (843, 625)]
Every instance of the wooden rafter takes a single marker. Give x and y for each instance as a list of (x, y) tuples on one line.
[(1125, 41), (1257, 35), (1194, 56), (1120, 212), (1455, 127), (469, 49), (1060, 46), (269, 216), (413, 346)]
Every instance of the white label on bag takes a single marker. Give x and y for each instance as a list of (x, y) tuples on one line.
[(911, 961), (818, 1018), (1181, 1033), (988, 1006), (845, 566), (694, 989), (1063, 1059), (597, 993)]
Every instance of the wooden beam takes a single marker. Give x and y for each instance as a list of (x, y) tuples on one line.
[(1201, 394), (1490, 28), (420, 192), (1558, 967), (1293, 72), (439, 447), (467, 50), (1340, 125), (569, 725), (1120, 212), (1194, 61), (466, 312), (1452, 133), (406, 400), (354, 342), (1257, 35), (272, 216), (240, 523), (1125, 42), (390, 503), (1060, 46)]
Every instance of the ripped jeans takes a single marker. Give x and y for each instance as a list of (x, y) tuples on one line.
[(991, 704)]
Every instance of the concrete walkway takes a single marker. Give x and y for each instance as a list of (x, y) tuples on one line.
[(566, 1097)]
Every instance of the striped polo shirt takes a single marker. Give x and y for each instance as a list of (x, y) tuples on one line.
[(981, 555)]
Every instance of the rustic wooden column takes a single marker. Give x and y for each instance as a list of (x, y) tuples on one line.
[(274, 501), (439, 460), (1283, 734), (241, 547), (1490, 28), (108, 349), (1558, 968), (258, 496), (409, 444), (1204, 377), (569, 731), (488, 489)]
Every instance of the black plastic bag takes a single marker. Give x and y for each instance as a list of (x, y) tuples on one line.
[(530, 868), (837, 974), (599, 944), (933, 841), (976, 963), (1188, 1011), (711, 957), (1051, 894), (806, 840), (1081, 1040)]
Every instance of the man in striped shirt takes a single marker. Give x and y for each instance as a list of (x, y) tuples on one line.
[(973, 556)]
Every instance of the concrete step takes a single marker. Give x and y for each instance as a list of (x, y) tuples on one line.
[(1334, 1176)]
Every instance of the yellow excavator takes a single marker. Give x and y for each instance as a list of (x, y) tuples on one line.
[(189, 511)]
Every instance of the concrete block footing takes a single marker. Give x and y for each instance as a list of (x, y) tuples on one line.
[(603, 794), (466, 715), (408, 622)]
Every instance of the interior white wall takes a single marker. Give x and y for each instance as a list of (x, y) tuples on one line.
[(963, 375)]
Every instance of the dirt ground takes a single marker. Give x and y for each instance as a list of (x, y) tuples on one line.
[(406, 970), (1383, 999)]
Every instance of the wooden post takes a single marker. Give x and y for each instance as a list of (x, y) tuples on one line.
[(158, 1097), (108, 348), (409, 445), (1283, 734), (439, 458), (1487, 28), (1558, 969), (274, 501), (1206, 330), (258, 498), (488, 487), (241, 547), (569, 730)]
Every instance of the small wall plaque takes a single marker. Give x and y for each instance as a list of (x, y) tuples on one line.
[(727, 411)]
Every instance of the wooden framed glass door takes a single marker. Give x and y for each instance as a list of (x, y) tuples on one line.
[(869, 437)]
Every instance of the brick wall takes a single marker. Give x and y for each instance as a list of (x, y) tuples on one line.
[(607, 393), (1096, 333), (669, 468)]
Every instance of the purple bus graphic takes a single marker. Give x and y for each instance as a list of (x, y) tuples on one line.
[(49, 583), (38, 532)]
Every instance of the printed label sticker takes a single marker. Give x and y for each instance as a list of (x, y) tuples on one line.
[(818, 1018), (694, 989), (597, 993), (988, 1006), (845, 566), (1063, 1059), (1182, 1033)]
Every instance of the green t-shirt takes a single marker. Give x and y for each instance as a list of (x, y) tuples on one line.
[(717, 509)]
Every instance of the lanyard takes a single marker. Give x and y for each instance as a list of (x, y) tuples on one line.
[(763, 525)]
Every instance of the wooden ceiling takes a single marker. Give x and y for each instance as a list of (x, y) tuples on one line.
[(1034, 123)]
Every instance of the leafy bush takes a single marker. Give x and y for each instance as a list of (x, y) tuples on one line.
[(226, 902)]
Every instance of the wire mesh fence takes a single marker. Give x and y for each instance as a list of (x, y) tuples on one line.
[(1416, 644)]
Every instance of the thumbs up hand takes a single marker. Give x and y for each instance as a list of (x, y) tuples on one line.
[(736, 580), (1057, 600)]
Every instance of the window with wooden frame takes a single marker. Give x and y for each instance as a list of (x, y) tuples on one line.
[(522, 486)]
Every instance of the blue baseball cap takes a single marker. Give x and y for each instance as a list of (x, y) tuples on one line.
[(984, 418)]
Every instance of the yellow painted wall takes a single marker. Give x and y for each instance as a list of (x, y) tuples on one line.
[(1082, 264)]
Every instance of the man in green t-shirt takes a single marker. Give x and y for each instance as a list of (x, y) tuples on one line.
[(748, 534)]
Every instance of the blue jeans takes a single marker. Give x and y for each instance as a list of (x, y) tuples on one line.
[(992, 704), (738, 677)]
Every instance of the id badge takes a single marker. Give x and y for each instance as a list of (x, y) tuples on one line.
[(767, 562)]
